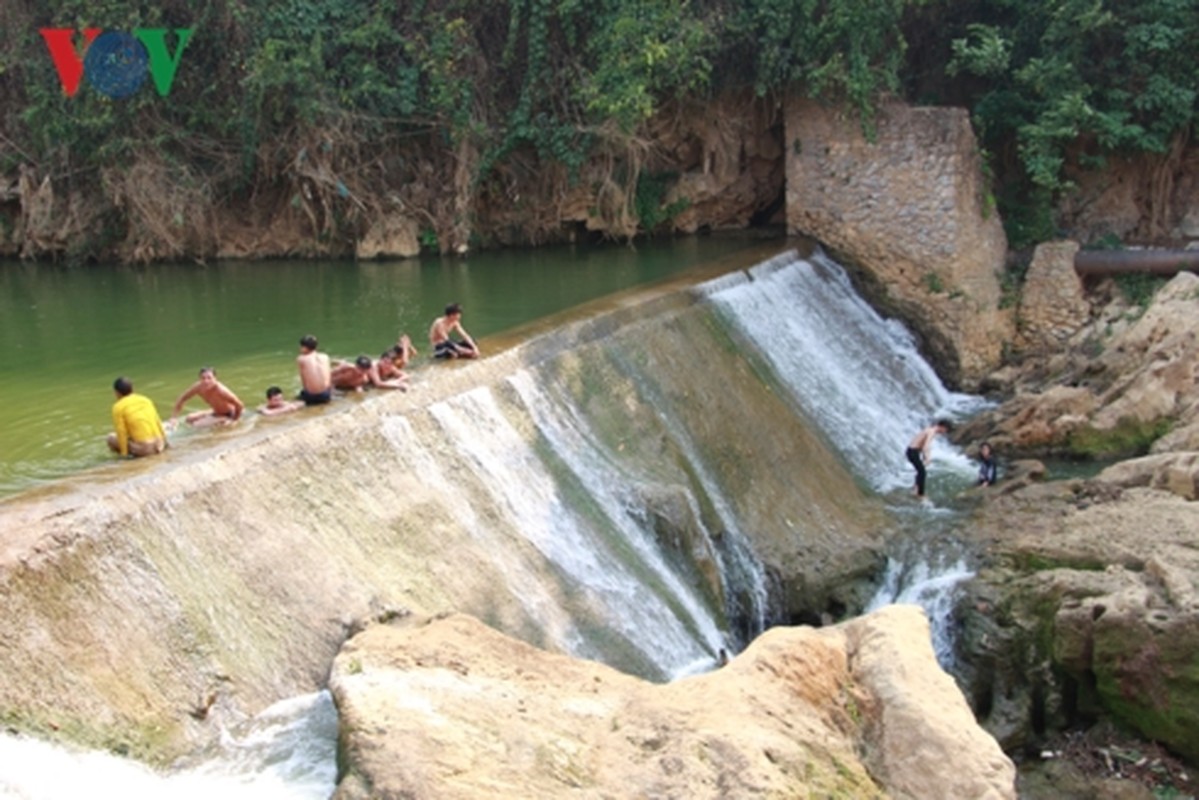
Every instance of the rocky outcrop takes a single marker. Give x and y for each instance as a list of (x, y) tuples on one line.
[(911, 210), (452, 709), (1171, 472), (729, 160), (390, 236), (1133, 198), (1090, 608), (1114, 389)]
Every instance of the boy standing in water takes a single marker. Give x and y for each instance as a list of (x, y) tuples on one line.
[(919, 450)]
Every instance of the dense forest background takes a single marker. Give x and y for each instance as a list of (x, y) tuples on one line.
[(341, 111)]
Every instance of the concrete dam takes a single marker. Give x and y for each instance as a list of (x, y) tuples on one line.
[(649, 482)]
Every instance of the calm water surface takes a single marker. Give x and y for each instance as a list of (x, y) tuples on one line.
[(67, 333)]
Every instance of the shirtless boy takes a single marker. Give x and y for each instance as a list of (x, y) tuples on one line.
[(919, 450), (439, 336), (362, 373), (225, 406), (403, 352), (388, 367), (275, 404), (315, 374)]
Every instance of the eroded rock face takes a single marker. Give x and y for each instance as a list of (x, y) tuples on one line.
[(909, 209), (452, 709), (1119, 384), (392, 236), (1090, 608)]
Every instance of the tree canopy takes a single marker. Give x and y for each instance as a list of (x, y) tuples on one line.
[(263, 83)]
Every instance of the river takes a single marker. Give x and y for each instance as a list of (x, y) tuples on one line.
[(68, 332)]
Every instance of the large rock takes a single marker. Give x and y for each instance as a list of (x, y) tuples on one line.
[(1125, 379), (910, 208), (453, 709), (1173, 472), (1090, 607)]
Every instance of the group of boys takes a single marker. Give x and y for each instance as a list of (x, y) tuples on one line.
[(140, 432)]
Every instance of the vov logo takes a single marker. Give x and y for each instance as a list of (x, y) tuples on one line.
[(115, 62)]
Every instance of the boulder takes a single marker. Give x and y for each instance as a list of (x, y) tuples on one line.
[(1173, 472), (1089, 608), (449, 708)]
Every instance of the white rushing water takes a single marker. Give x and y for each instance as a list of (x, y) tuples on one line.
[(857, 376), (931, 588), (288, 752), (611, 559)]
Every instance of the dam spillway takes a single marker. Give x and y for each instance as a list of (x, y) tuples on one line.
[(635, 487)]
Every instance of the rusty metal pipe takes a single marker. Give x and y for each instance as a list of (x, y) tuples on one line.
[(1099, 263)]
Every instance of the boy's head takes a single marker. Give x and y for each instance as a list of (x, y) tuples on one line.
[(453, 310), (122, 386), (944, 425), (274, 396), (308, 343), (363, 362)]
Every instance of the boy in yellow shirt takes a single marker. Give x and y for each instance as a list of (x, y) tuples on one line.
[(139, 429)]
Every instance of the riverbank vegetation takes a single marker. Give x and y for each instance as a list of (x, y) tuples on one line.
[(474, 118)]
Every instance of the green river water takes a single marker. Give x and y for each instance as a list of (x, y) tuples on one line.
[(68, 332)]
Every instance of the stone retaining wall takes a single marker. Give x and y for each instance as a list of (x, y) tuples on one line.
[(910, 208)]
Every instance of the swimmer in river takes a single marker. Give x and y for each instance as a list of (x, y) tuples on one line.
[(224, 406), (315, 373)]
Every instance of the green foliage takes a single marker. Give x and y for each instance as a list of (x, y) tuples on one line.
[(642, 50), (647, 203), (1139, 288), (984, 52), (1027, 215), (1010, 284), (838, 50), (1130, 437), (1048, 74), (548, 82), (428, 239)]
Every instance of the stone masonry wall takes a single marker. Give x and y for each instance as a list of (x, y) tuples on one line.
[(1052, 304), (909, 209)]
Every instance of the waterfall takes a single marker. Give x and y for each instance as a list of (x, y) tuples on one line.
[(863, 383), (857, 376), (741, 573), (541, 477), (288, 752), (930, 587)]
